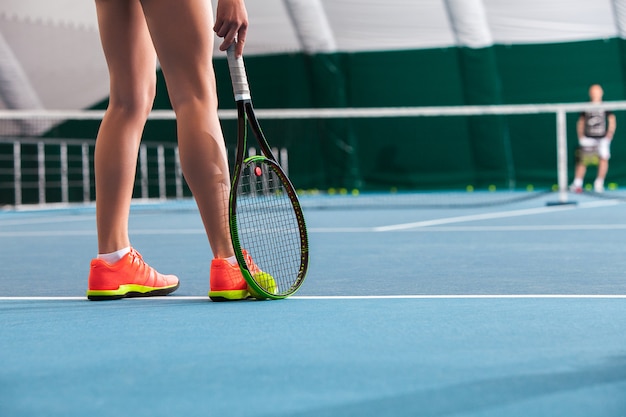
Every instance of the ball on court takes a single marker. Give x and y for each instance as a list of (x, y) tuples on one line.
[(266, 281)]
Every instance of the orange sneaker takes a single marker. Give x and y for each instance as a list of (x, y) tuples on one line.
[(226, 281), (128, 277)]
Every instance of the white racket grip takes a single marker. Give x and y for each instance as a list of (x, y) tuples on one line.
[(238, 75)]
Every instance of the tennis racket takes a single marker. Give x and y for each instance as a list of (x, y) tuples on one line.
[(266, 222)]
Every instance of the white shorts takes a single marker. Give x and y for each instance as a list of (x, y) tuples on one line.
[(603, 146)]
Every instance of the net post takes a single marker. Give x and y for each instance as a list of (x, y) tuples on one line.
[(161, 171), (17, 173), (284, 160), (41, 172), (178, 173), (561, 158), (143, 169), (64, 173), (84, 153)]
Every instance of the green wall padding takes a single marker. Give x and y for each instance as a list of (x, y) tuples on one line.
[(427, 152)]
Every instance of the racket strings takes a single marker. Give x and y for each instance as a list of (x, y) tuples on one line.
[(267, 224)]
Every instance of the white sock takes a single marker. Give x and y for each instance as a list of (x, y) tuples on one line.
[(113, 257), (578, 182), (232, 260), (599, 181)]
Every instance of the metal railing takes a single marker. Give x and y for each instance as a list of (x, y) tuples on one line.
[(59, 170), (64, 167)]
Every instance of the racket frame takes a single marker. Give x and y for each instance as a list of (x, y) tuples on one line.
[(247, 117)]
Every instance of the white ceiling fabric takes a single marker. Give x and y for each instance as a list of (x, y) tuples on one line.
[(311, 24), (469, 23), (55, 43), (540, 21)]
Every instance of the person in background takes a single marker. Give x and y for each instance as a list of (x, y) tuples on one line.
[(595, 129)]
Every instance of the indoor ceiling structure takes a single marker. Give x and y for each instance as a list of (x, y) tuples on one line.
[(50, 55)]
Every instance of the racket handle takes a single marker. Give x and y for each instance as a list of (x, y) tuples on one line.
[(238, 75)]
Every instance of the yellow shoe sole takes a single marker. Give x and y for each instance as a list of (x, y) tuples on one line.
[(230, 295), (129, 291)]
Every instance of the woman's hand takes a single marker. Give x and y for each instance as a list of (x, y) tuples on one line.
[(231, 24)]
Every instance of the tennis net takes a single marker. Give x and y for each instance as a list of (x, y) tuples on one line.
[(337, 158)]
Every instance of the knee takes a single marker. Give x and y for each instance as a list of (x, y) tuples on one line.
[(193, 103), (133, 102), (193, 93)]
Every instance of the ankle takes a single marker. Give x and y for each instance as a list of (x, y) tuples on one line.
[(113, 257)]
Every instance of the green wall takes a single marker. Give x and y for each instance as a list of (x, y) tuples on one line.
[(439, 152), (426, 152)]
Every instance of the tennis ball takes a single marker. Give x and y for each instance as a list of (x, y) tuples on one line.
[(530, 187), (492, 188), (266, 281), (469, 188)]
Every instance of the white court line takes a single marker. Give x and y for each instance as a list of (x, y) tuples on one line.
[(92, 232), (425, 225), (433, 229), (523, 228), (490, 216), (45, 220), (460, 296), (49, 233), (362, 297)]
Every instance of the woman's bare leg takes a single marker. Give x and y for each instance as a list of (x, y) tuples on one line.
[(132, 67), (181, 32), (131, 59)]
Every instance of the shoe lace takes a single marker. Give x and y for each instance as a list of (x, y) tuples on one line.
[(252, 266), (136, 256), (141, 265)]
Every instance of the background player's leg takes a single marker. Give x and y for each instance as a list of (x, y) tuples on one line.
[(579, 176), (604, 152), (603, 168)]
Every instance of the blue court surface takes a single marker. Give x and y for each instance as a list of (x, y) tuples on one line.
[(504, 310)]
